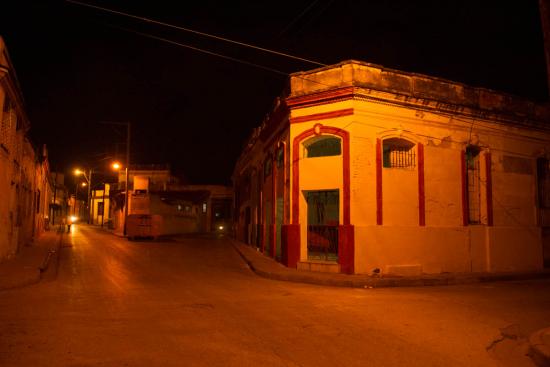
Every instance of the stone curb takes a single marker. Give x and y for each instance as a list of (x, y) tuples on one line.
[(539, 347), (357, 281)]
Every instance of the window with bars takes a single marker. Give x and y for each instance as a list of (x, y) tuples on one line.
[(474, 184), (6, 124), (398, 153)]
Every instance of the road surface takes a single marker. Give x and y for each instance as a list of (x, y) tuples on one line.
[(194, 302)]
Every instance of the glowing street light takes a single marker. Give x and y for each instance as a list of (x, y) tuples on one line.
[(117, 166), (88, 178)]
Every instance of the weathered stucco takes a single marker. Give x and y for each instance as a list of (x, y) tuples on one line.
[(415, 219)]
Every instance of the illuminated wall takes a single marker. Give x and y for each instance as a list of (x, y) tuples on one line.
[(441, 177)]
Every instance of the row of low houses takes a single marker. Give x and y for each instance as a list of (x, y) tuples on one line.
[(29, 194), (360, 169), (160, 205)]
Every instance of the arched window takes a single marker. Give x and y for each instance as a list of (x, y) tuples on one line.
[(322, 146), (398, 153)]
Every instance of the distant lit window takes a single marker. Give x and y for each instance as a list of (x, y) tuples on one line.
[(323, 146), (180, 208), (398, 153), (204, 207)]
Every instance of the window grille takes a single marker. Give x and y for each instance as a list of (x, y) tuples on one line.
[(398, 153), (5, 128), (474, 184), (322, 224)]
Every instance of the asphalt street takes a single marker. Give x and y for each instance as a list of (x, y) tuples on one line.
[(194, 302)]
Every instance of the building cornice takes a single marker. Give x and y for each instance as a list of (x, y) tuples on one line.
[(353, 80)]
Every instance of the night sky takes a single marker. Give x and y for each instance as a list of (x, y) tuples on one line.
[(194, 111)]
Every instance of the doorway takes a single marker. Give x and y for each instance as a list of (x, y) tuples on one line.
[(323, 212)]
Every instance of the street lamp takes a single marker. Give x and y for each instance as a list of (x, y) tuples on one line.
[(88, 178), (127, 124), (117, 166)]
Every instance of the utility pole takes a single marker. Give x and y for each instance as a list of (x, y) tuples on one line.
[(89, 203), (127, 175), (127, 124)]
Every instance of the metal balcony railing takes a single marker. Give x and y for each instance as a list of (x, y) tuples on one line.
[(322, 242)]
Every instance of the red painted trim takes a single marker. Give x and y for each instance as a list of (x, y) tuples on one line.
[(320, 97), (295, 180), (274, 203), (322, 116), (346, 179), (378, 182), (464, 186), (346, 248), (290, 244), (296, 174), (421, 193), (489, 187)]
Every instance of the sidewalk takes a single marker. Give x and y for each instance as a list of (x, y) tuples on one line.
[(269, 268), (27, 266)]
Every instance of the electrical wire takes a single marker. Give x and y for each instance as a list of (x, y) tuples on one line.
[(148, 20), (199, 49)]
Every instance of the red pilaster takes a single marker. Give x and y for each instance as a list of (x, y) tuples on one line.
[(296, 180), (346, 178), (378, 182), (421, 194), (274, 204), (290, 245), (346, 249), (489, 186)]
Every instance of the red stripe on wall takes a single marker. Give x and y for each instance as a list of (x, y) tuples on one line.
[(489, 187), (464, 186), (421, 194), (322, 116), (295, 180), (378, 182), (346, 178)]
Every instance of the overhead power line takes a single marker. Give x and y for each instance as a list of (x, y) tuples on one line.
[(148, 20), (200, 50)]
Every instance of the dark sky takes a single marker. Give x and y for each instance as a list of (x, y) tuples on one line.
[(195, 111)]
